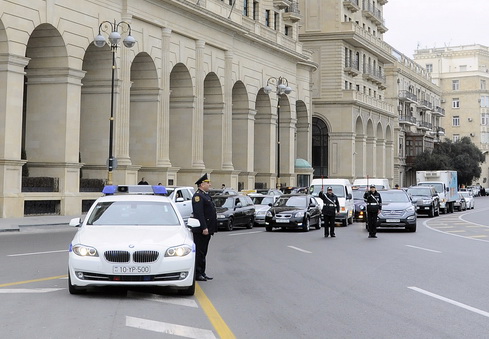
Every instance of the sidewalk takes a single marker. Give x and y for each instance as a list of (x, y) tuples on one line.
[(14, 224)]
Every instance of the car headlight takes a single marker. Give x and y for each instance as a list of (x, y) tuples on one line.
[(178, 251), (221, 216), (299, 214), (269, 214), (362, 208), (426, 202), (261, 213), (84, 251), (410, 209)]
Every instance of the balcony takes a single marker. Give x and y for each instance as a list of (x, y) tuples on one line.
[(352, 5), (438, 111), (352, 67), (292, 13), (281, 4), (424, 125), (408, 96), (374, 14), (374, 75), (382, 2), (425, 105), (407, 120)]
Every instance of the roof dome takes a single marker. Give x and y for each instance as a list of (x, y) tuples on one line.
[(302, 163)]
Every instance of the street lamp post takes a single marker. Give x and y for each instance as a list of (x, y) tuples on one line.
[(114, 40), (281, 87)]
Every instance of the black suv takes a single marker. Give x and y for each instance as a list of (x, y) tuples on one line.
[(425, 199)]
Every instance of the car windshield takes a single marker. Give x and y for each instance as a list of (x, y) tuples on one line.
[(464, 194), (295, 201), (397, 196), (419, 191), (358, 194), (438, 187), (338, 190), (226, 202), (262, 200), (133, 213)]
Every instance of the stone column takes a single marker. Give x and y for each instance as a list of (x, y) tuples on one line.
[(164, 121), (198, 116), (227, 163)]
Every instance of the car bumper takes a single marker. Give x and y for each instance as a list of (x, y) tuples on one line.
[(423, 209), (260, 220), (290, 223), (396, 223), (176, 272)]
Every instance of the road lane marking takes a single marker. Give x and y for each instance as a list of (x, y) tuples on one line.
[(29, 290), (32, 281), (443, 227), (450, 301), (456, 231), (424, 249), (477, 236), (244, 233), (36, 253), (220, 326), (174, 301), (298, 249), (162, 327)]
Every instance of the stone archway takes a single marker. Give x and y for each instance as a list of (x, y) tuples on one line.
[(213, 122), (264, 142), (320, 148), (360, 154)]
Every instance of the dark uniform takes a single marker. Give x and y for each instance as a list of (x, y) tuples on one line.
[(331, 206), (374, 205), (205, 211)]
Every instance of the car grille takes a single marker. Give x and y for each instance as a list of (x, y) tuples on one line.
[(145, 256), (142, 278), (125, 256), (117, 256), (282, 215), (393, 213)]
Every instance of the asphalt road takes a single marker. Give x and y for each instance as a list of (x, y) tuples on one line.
[(284, 284)]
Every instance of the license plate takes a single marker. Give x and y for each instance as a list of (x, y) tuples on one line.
[(131, 269), (393, 220), (282, 220)]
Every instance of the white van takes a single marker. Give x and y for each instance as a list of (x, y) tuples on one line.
[(342, 189), (380, 184)]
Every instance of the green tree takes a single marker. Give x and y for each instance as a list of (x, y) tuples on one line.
[(461, 156)]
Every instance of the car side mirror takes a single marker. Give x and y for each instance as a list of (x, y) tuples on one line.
[(348, 196), (179, 199), (75, 222), (193, 223), (238, 205)]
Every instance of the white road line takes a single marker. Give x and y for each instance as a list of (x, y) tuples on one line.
[(298, 249), (450, 301), (28, 290), (451, 233), (174, 301), (244, 233), (36, 253), (424, 249), (162, 327)]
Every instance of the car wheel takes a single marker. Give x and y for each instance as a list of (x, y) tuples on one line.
[(250, 223), (431, 213), (268, 228), (350, 220), (307, 225), (412, 229), (318, 225), (344, 222), (230, 226), (72, 288), (188, 291), (437, 210)]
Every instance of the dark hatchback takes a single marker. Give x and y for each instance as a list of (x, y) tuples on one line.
[(300, 211), (360, 205), (398, 211), (234, 210)]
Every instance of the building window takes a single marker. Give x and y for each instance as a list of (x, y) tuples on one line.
[(245, 8), (485, 119), (255, 10), (429, 68), (276, 20), (463, 68), (288, 30), (456, 137), (267, 18), (455, 103), (401, 148), (456, 120), (483, 84), (455, 85)]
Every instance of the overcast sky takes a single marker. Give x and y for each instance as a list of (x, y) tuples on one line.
[(435, 23)]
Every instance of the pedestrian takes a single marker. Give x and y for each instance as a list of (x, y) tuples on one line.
[(397, 187), (205, 211), (223, 186), (374, 205), (331, 207), (143, 182)]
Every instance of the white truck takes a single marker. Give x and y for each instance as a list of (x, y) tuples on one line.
[(445, 184)]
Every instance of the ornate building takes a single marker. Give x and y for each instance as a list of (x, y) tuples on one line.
[(189, 97)]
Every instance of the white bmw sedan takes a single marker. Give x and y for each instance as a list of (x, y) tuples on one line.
[(132, 240)]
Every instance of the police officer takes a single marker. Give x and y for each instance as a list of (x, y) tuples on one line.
[(331, 207), (205, 211), (374, 205)]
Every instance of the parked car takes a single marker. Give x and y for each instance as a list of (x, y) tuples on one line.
[(234, 210), (132, 236), (426, 199), (262, 205), (469, 199), (360, 205), (182, 197), (225, 191), (397, 211), (294, 211), (460, 204)]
